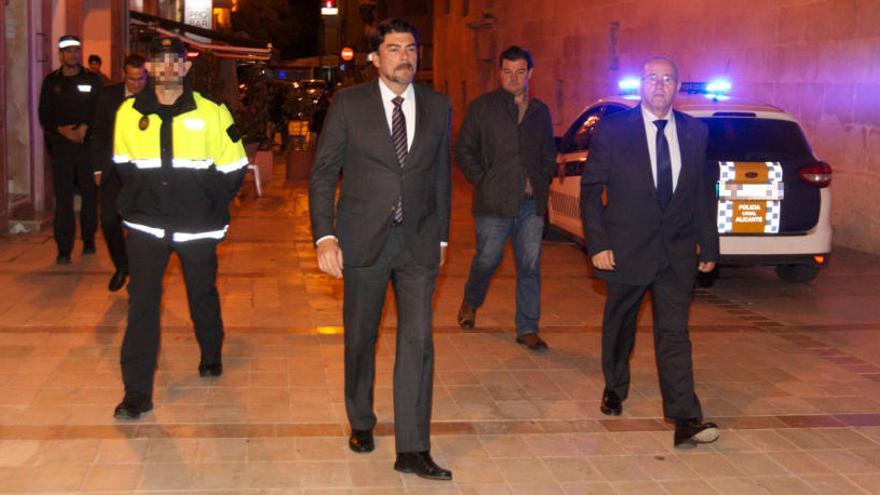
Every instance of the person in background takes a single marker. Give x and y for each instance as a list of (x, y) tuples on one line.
[(505, 149), (95, 64), (135, 78), (68, 100)]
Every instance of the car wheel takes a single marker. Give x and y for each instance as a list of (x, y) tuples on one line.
[(800, 274)]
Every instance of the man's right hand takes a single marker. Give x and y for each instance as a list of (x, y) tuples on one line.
[(604, 260), (69, 133), (330, 257)]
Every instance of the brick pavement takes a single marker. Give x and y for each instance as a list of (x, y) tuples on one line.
[(791, 374)]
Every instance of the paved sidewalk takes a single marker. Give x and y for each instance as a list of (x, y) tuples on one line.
[(790, 372)]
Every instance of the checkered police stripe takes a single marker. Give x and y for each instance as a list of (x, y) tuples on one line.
[(771, 219), (725, 217)]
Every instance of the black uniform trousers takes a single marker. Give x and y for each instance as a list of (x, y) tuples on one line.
[(364, 297), (148, 257), (670, 299), (70, 166), (111, 221)]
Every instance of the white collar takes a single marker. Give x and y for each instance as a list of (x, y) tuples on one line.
[(388, 95), (650, 117)]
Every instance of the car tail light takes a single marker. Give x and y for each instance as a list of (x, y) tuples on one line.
[(819, 259), (816, 174)]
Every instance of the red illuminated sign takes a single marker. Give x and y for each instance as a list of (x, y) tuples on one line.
[(328, 7)]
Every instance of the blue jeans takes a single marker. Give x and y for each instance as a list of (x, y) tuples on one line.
[(526, 230)]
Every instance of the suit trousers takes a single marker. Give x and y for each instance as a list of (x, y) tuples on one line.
[(148, 257), (672, 346), (111, 221), (70, 167), (364, 298)]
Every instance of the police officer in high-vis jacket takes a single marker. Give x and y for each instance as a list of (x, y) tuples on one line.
[(68, 100), (181, 162)]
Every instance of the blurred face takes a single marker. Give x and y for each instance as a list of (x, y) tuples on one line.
[(95, 66), (659, 86), (397, 59), (135, 79), (515, 75), (70, 56), (168, 68)]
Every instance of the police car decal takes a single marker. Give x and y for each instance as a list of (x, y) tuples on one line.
[(749, 197)]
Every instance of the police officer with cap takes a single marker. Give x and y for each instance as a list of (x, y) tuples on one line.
[(181, 161), (68, 100)]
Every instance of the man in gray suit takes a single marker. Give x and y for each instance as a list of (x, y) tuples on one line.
[(389, 139), (656, 229)]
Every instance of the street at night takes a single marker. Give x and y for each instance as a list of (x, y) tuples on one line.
[(788, 371)]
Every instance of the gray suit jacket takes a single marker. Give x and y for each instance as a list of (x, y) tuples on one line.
[(643, 237), (356, 142)]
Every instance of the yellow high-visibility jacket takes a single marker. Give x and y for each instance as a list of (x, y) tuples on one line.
[(180, 165)]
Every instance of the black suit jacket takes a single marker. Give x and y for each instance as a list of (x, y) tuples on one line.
[(101, 133), (356, 141), (643, 237)]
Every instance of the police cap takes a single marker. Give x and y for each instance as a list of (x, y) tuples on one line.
[(67, 41), (167, 44)]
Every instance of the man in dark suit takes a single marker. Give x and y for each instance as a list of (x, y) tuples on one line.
[(390, 140), (135, 73), (655, 231)]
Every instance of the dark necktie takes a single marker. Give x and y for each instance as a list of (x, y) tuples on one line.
[(664, 166), (398, 136)]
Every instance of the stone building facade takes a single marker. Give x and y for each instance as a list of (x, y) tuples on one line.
[(817, 59)]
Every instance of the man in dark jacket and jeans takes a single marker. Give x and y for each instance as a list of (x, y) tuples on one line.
[(505, 149)]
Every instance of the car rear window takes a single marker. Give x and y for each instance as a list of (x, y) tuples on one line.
[(754, 139)]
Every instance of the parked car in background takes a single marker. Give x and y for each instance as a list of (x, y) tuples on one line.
[(773, 193)]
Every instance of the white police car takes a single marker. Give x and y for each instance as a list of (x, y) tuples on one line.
[(773, 196)]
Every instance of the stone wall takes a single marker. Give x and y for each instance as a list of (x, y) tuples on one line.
[(817, 59)]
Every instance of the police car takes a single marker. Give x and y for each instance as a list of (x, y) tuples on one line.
[(773, 196)]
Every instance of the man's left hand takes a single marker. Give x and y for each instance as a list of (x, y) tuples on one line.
[(442, 255), (706, 266)]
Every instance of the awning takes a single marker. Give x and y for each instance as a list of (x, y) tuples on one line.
[(230, 46)]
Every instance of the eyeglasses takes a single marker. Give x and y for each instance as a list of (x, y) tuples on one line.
[(654, 79)]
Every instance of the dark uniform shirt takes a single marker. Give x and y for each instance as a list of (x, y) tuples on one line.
[(66, 100)]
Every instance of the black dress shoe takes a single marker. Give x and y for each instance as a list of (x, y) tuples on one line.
[(132, 406), (89, 249), (692, 432), (62, 259), (210, 370), (611, 404), (117, 281), (361, 441), (421, 465), (467, 316)]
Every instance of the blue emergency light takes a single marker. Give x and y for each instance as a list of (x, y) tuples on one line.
[(629, 85)]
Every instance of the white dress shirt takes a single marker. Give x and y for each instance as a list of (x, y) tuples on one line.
[(671, 137)]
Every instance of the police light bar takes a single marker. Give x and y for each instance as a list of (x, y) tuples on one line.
[(716, 87), (629, 85)]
